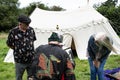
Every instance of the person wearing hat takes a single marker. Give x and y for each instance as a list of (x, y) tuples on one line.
[(21, 40), (98, 50), (61, 64)]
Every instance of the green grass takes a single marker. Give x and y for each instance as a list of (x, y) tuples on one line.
[(7, 70)]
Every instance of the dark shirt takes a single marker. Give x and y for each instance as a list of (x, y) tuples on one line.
[(22, 43), (93, 49)]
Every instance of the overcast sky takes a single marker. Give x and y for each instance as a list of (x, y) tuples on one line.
[(66, 4)]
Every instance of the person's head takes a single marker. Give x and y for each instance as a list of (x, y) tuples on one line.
[(24, 21), (102, 39), (55, 38)]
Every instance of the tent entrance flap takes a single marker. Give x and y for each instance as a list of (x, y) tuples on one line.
[(68, 41), (73, 48)]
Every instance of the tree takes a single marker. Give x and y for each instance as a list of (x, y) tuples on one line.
[(56, 8), (29, 9), (8, 14), (112, 12)]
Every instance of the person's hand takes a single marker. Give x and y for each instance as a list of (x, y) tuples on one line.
[(12, 47), (30, 79), (96, 63)]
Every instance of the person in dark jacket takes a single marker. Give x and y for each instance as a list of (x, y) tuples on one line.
[(98, 50), (64, 65), (21, 40)]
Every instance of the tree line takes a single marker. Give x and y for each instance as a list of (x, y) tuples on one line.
[(111, 10), (9, 11)]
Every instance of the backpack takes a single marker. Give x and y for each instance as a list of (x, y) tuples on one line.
[(47, 67)]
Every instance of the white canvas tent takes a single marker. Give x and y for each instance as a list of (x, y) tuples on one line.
[(76, 25)]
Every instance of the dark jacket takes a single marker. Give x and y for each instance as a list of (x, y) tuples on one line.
[(93, 49), (60, 54)]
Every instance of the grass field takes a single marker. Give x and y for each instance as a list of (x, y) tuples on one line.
[(7, 71)]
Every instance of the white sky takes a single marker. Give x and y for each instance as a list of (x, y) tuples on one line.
[(66, 4)]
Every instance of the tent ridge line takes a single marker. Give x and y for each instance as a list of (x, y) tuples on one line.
[(84, 26)]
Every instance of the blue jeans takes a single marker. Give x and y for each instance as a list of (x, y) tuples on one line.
[(96, 72)]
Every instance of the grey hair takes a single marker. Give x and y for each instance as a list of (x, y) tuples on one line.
[(103, 40)]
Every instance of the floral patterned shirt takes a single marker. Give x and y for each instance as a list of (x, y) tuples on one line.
[(22, 43)]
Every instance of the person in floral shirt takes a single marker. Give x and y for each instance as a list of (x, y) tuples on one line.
[(21, 40)]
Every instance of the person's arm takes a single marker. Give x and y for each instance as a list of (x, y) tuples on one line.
[(34, 35), (90, 48), (71, 56), (104, 55), (10, 40), (69, 73)]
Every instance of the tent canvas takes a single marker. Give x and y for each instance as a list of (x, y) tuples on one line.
[(77, 25)]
